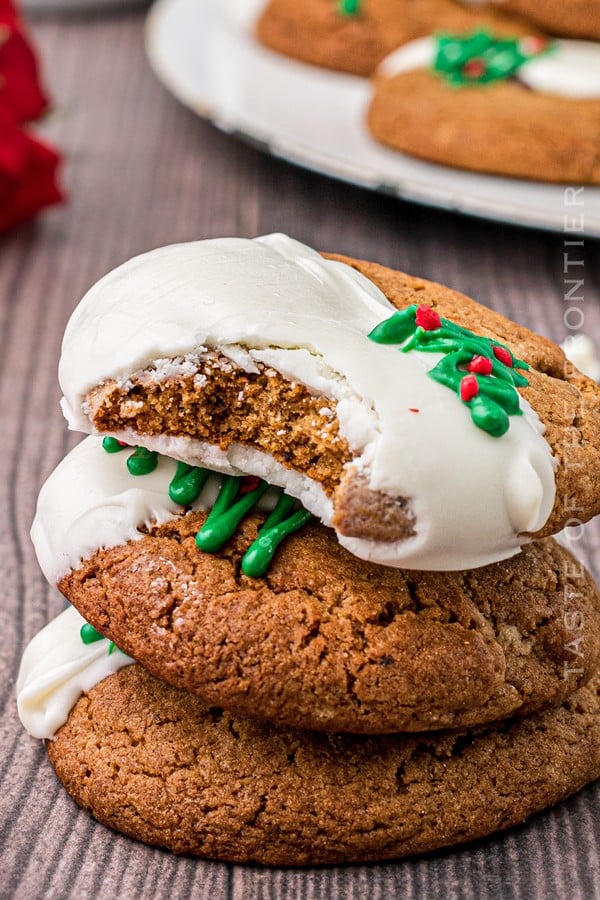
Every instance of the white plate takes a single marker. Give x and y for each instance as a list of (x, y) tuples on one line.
[(314, 118)]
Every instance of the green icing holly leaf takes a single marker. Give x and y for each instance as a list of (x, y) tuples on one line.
[(483, 373), (480, 58)]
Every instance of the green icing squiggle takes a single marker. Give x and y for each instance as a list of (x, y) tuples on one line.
[(187, 483), (257, 558), (142, 461), (89, 635), (227, 514), (112, 445), (237, 497)]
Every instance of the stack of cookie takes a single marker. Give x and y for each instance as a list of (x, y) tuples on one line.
[(489, 87), (317, 611)]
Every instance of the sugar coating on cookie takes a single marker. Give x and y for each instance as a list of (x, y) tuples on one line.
[(339, 421)]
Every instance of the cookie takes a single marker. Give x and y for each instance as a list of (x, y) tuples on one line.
[(524, 108), (158, 765), (355, 36), (322, 639), (577, 18), (440, 437)]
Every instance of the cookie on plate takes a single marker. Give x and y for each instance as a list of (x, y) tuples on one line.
[(355, 35), (428, 431), (305, 633), (577, 18), (523, 107), (160, 766)]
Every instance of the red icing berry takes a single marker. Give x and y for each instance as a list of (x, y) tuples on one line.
[(413, 409), (474, 68), (480, 364), (532, 45), (468, 388), (427, 318), (249, 484), (503, 356), (122, 443)]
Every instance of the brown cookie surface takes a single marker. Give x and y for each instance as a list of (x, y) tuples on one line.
[(158, 765), (577, 18), (219, 403), (327, 641), (315, 31), (503, 128)]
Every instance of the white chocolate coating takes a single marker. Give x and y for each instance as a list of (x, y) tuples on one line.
[(570, 69), (56, 669), (91, 501), (276, 301)]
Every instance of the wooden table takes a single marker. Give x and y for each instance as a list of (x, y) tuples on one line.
[(142, 171)]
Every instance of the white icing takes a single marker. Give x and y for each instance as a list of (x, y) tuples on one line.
[(308, 317), (581, 351), (419, 54), (91, 501), (570, 68), (56, 669)]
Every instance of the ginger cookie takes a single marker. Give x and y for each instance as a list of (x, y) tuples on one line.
[(428, 431), (577, 18), (526, 107), (355, 35), (160, 766), (279, 621)]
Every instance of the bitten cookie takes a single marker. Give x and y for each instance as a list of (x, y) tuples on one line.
[(158, 765), (355, 35), (441, 436), (321, 639), (527, 108)]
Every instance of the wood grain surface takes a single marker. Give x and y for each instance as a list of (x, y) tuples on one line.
[(141, 171)]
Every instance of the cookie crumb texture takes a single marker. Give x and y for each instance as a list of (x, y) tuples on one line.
[(219, 403), (158, 765), (505, 129), (327, 641)]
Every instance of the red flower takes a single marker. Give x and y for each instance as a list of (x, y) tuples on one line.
[(503, 356), (468, 388), (427, 318), (27, 174), (27, 165), (20, 89), (480, 364)]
